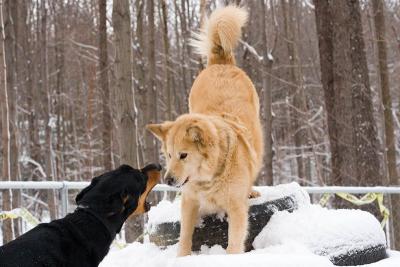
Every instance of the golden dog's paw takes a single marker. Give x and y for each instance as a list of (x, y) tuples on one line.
[(184, 250), (234, 249), (254, 194), (183, 253)]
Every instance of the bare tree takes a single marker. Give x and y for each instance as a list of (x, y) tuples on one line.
[(125, 98), (267, 96), (390, 139), (152, 105), (348, 100), (9, 13), (104, 84), (7, 229), (167, 60)]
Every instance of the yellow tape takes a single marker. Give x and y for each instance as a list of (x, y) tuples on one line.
[(20, 213), (366, 199), (324, 199), (118, 244)]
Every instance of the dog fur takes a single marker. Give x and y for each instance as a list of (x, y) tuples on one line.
[(215, 152)]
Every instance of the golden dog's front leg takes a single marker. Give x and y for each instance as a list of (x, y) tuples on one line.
[(189, 211), (238, 221)]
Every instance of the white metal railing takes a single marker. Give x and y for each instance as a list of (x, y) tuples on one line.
[(65, 186)]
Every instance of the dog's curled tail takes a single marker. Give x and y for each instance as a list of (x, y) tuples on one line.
[(220, 34)]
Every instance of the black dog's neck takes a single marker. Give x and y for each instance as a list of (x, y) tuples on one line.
[(107, 225), (98, 231), (112, 224)]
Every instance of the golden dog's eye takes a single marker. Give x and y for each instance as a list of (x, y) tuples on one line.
[(182, 155), (169, 155)]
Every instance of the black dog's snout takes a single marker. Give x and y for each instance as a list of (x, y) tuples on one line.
[(147, 206), (158, 167), (169, 180)]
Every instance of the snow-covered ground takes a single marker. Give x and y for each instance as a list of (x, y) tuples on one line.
[(290, 254), (289, 239)]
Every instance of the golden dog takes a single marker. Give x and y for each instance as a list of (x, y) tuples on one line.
[(215, 152)]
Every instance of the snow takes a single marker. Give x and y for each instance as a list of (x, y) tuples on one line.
[(282, 190), (167, 211), (306, 237), (334, 232), (291, 254)]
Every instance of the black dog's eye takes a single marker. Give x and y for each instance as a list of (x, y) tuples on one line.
[(182, 155)]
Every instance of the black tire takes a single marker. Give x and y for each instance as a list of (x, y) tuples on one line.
[(361, 257), (214, 231)]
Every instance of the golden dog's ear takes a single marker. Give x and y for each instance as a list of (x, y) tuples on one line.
[(160, 130), (197, 135)]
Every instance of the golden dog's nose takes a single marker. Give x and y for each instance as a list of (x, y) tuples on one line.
[(169, 180)]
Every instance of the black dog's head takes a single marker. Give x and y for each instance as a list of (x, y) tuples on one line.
[(121, 192)]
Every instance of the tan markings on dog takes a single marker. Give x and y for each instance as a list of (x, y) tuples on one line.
[(221, 137), (153, 179)]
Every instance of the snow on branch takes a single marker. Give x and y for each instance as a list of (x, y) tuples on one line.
[(252, 50), (29, 160)]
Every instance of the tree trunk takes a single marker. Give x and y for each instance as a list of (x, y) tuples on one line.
[(125, 98), (60, 66), (390, 139), (167, 61), (348, 100), (152, 151), (365, 133), (297, 90), (267, 88), (9, 13), (104, 85), (49, 157), (140, 77), (7, 228)]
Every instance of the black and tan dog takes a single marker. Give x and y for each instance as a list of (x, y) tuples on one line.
[(83, 237)]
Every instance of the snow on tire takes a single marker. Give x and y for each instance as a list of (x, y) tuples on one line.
[(283, 215)]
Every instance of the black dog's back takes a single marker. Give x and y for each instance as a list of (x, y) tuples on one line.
[(76, 240)]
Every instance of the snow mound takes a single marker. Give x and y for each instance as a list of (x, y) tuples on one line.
[(167, 211), (325, 232)]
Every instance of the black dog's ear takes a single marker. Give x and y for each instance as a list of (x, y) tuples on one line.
[(86, 189), (151, 167)]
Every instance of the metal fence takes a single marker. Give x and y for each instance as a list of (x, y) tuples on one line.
[(65, 187)]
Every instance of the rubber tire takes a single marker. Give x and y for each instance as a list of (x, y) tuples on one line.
[(215, 231), (361, 257)]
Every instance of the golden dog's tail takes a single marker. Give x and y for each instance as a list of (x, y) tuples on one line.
[(220, 34)]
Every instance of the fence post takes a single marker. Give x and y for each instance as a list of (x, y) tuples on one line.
[(64, 199)]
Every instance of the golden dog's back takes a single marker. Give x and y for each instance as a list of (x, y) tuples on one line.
[(223, 88)]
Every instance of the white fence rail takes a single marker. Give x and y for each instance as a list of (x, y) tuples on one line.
[(65, 186)]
